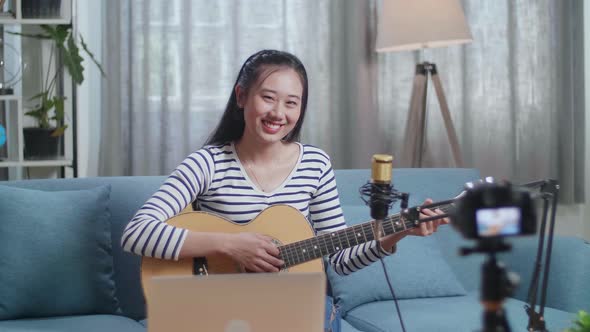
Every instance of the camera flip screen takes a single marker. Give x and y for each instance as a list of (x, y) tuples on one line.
[(499, 221)]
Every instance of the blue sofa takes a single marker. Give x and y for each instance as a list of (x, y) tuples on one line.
[(436, 289)]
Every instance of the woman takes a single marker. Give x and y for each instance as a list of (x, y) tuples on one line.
[(251, 161)]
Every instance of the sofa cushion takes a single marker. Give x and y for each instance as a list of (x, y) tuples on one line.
[(417, 269), (88, 323), (56, 253), (128, 193), (569, 274), (458, 313), (346, 327)]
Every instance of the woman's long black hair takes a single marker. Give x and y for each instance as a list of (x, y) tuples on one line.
[(231, 126)]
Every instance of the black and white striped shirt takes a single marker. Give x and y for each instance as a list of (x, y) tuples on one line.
[(215, 177)]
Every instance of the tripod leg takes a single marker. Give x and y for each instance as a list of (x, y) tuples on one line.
[(496, 321), (414, 132), (444, 107)]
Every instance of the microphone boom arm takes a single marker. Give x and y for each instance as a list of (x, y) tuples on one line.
[(549, 192)]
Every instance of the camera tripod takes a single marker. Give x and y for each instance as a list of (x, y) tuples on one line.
[(496, 284)]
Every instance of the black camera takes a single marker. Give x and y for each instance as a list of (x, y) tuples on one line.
[(489, 212), (492, 210)]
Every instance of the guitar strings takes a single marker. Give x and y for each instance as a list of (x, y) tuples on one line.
[(299, 252), (345, 238)]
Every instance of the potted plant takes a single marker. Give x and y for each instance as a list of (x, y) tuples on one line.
[(582, 323), (41, 142)]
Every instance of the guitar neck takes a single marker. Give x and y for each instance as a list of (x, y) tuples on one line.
[(322, 245)]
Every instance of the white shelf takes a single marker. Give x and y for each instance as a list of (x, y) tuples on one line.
[(25, 21), (36, 163), (65, 15), (9, 98), (13, 110)]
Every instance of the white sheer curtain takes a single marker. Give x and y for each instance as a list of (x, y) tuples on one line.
[(515, 93), (172, 65)]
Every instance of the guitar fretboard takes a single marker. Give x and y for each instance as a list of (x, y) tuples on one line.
[(306, 250)]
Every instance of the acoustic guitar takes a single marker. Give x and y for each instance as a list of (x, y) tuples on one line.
[(291, 232)]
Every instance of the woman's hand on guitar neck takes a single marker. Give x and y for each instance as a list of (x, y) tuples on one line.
[(255, 252), (428, 227), (425, 228)]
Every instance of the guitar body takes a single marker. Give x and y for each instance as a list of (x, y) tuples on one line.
[(283, 223), (300, 249)]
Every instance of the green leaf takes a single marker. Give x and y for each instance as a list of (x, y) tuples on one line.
[(49, 103), (582, 323), (36, 113), (85, 47), (29, 35), (59, 108), (584, 319), (42, 95), (73, 61), (58, 33), (59, 131)]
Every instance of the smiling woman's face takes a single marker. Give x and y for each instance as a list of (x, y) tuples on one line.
[(272, 106)]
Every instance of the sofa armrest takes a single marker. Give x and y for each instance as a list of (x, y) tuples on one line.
[(569, 274)]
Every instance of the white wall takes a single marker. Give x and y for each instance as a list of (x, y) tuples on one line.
[(586, 217), (88, 21)]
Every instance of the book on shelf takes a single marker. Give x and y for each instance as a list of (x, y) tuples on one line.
[(41, 9)]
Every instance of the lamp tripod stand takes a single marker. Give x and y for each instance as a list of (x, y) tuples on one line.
[(415, 135)]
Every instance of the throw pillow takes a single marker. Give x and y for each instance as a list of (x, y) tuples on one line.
[(56, 253), (417, 269)]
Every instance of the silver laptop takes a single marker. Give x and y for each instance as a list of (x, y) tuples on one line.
[(256, 302)]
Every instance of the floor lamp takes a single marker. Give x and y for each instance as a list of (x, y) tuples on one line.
[(413, 25)]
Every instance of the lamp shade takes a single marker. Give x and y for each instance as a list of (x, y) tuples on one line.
[(406, 25)]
